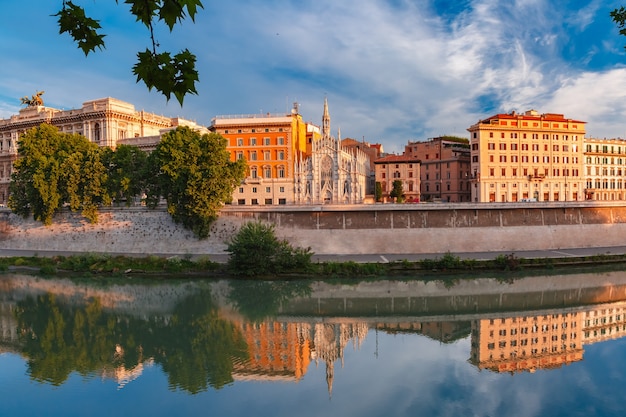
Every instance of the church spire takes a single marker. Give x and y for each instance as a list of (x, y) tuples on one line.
[(326, 120)]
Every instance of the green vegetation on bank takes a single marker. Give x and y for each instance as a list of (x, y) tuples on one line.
[(172, 267)]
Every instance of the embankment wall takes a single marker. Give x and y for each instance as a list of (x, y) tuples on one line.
[(358, 229)]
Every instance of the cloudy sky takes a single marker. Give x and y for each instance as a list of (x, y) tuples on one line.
[(392, 71)]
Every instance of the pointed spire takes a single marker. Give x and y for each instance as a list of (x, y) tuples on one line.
[(326, 120)]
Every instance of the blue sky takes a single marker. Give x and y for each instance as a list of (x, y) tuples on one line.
[(392, 71)]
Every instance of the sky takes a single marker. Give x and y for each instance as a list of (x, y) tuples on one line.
[(393, 71)]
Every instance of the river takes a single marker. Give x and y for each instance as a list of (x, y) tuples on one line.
[(544, 345)]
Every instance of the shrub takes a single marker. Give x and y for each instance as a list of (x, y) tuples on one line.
[(255, 250)]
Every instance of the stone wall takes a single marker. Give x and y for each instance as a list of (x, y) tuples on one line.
[(358, 229)]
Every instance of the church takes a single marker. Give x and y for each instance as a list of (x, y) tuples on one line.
[(331, 174)]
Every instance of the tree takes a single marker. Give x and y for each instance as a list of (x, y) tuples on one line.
[(255, 250), (54, 169), (195, 176), (397, 192), (127, 172), (619, 17), (379, 191), (166, 73)]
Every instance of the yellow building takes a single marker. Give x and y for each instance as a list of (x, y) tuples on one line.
[(530, 156), (528, 342), (605, 168), (270, 143)]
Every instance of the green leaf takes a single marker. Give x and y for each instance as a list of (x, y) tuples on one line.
[(82, 29)]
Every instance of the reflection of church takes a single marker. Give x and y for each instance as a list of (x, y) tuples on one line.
[(331, 174)]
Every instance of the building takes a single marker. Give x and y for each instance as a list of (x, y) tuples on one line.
[(528, 156), (402, 168), (527, 342), (445, 168), (271, 144), (105, 121), (331, 174), (605, 169), (373, 151)]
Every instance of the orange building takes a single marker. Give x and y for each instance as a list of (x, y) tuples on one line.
[(528, 156), (270, 143)]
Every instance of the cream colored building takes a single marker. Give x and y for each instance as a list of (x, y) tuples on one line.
[(530, 156), (605, 169), (105, 121)]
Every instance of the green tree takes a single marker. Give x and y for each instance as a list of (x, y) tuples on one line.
[(166, 73), (195, 176), (55, 168), (619, 17), (255, 250), (397, 192), (127, 172), (379, 191)]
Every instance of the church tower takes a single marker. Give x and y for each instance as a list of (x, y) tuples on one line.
[(326, 120)]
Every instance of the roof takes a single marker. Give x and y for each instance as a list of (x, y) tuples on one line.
[(532, 115), (397, 159)]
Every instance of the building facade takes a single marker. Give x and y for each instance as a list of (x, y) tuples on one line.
[(331, 174), (105, 121), (403, 168), (444, 169), (271, 144), (528, 156), (605, 168)]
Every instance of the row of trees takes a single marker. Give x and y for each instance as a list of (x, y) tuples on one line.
[(192, 172)]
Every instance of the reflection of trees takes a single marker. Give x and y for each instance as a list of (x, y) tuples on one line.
[(201, 346), (259, 300), (194, 347)]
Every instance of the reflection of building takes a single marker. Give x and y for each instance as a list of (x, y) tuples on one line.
[(527, 343), (120, 373), (604, 322), (276, 351), (284, 350)]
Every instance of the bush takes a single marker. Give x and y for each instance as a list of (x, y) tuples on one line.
[(255, 250)]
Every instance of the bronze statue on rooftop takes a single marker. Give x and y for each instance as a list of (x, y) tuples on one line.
[(34, 101)]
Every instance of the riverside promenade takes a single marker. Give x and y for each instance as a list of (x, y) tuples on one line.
[(359, 258)]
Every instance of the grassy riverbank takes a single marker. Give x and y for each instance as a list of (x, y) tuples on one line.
[(153, 266)]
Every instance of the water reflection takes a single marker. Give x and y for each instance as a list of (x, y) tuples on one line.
[(206, 335)]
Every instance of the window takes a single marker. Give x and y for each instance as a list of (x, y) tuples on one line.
[(281, 155), (253, 141), (239, 141), (281, 140), (253, 155), (281, 172), (267, 172), (266, 141), (266, 155)]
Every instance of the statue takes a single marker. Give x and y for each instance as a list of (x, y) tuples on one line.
[(34, 101)]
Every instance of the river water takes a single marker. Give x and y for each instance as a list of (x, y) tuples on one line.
[(550, 345)]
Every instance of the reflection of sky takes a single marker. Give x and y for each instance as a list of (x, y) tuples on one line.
[(401, 375)]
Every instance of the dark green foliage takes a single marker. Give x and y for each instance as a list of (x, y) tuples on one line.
[(379, 191), (55, 169), (508, 262), (195, 176), (397, 192), (167, 74), (127, 173), (255, 250)]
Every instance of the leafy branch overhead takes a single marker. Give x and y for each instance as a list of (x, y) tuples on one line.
[(169, 74)]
